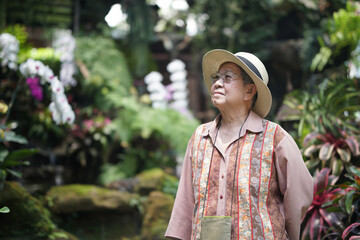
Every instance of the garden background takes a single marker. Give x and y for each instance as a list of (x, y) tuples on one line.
[(98, 100)]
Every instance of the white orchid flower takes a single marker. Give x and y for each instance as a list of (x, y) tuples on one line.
[(180, 95), (157, 96), (178, 76), (56, 86), (68, 116), (179, 86), (56, 116), (175, 66), (153, 77), (155, 86)]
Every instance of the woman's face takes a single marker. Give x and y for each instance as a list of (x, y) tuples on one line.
[(228, 88)]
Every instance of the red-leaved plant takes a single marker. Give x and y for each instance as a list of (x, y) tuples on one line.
[(352, 232), (348, 202), (334, 152), (317, 219)]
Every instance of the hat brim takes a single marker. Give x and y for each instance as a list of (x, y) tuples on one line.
[(213, 60)]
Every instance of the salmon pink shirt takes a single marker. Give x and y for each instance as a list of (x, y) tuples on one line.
[(290, 191)]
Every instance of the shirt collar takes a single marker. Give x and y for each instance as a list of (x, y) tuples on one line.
[(252, 124)]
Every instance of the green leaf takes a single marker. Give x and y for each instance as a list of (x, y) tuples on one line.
[(20, 154), (329, 203), (14, 173), (353, 145), (349, 201), (13, 163), (333, 209), (312, 163), (336, 167), (354, 170), (344, 154), (326, 151), (12, 137), (4, 210), (301, 125), (3, 154), (2, 178), (59, 235), (321, 59), (310, 150)]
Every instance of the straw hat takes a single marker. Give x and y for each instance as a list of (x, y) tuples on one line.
[(251, 64)]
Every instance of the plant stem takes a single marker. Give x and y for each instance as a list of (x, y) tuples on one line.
[(18, 86)]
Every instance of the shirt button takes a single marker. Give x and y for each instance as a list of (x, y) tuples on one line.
[(222, 176), (221, 196)]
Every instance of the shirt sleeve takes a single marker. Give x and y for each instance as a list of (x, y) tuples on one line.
[(180, 224), (295, 182)]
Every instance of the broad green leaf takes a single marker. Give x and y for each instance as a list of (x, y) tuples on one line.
[(353, 145), (301, 125), (354, 170), (12, 137), (309, 137), (336, 166), (2, 178), (329, 125), (3, 154), (20, 154), (310, 150), (349, 201), (333, 209), (321, 59), (334, 92), (4, 210), (14, 173), (59, 235), (344, 154), (13, 163), (312, 163), (326, 151)]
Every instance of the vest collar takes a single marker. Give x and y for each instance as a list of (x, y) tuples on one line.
[(252, 124)]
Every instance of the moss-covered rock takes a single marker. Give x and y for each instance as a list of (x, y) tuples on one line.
[(87, 198), (157, 215), (155, 179), (27, 219)]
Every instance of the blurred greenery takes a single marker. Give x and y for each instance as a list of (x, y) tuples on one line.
[(342, 34), (149, 137), (117, 134), (336, 102)]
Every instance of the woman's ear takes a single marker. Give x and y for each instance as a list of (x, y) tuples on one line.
[(250, 91)]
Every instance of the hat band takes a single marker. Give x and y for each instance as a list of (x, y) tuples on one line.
[(251, 66)]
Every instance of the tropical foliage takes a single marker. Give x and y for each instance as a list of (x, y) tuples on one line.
[(318, 219), (334, 207), (113, 126), (114, 132), (341, 37), (327, 122), (328, 129)]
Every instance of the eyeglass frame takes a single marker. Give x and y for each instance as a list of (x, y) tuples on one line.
[(226, 77)]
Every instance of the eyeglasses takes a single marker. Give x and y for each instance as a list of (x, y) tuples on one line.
[(226, 77)]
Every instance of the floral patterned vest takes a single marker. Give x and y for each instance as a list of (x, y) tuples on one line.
[(254, 167)]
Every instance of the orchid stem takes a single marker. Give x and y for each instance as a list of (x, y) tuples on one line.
[(13, 97)]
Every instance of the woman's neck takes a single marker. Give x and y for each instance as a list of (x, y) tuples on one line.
[(233, 120), (230, 128)]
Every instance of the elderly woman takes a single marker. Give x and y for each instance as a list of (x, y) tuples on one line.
[(243, 176)]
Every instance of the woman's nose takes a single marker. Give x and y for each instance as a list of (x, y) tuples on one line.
[(219, 83)]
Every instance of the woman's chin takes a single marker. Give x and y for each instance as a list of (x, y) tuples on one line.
[(218, 102)]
